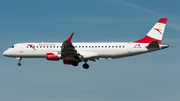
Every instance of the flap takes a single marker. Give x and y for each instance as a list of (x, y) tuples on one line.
[(88, 54)]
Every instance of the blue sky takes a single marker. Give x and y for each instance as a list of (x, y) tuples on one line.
[(149, 77)]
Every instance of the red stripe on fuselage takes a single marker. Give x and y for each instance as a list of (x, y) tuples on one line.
[(147, 39)]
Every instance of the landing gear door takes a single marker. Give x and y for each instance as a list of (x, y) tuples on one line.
[(21, 48)]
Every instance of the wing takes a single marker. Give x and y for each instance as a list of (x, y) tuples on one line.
[(68, 51)]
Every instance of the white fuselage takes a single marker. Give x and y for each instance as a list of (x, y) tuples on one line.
[(101, 50)]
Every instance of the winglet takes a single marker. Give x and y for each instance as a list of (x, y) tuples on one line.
[(70, 37)]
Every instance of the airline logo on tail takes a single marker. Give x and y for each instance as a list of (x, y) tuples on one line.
[(158, 30)]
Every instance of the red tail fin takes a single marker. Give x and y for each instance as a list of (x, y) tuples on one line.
[(156, 33)]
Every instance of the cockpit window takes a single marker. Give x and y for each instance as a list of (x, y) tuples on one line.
[(12, 47)]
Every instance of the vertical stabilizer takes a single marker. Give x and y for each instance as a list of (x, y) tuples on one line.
[(156, 33)]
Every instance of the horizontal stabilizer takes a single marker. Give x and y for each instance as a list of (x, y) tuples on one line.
[(153, 44)]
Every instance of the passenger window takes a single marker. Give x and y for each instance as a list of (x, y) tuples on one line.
[(40, 46), (47, 46), (50, 46), (37, 46), (57, 46), (54, 46), (27, 46), (98, 46), (44, 47)]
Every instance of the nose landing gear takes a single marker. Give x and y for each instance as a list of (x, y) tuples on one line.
[(19, 63)]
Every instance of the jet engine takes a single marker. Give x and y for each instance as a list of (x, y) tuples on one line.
[(53, 56)]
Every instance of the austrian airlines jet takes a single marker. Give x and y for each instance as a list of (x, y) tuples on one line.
[(73, 53)]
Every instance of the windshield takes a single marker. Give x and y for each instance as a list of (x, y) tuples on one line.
[(12, 47)]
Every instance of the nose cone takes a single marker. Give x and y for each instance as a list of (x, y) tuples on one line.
[(5, 53)]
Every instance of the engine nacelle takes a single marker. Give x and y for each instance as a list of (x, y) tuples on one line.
[(68, 62), (53, 56)]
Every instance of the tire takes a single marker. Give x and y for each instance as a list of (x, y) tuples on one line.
[(75, 63), (85, 66), (19, 64)]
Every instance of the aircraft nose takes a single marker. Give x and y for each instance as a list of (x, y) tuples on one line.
[(5, 53)]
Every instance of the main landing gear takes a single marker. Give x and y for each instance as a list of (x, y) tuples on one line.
[(19, 63), (85, 65), (75, 63)]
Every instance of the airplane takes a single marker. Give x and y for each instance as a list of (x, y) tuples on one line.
[(74, 53)]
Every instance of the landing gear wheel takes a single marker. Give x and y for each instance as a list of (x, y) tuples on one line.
[(75, 63), (19, 64), (85, 66)]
